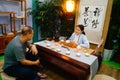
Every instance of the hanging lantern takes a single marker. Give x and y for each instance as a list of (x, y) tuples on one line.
[(70, 4)]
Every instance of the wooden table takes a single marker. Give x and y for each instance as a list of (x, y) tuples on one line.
[(77, 68)]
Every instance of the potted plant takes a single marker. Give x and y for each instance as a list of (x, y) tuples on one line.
[(51, 19), (108, 51), (113, 31)]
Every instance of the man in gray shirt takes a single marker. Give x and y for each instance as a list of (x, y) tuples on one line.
[(18, 63)]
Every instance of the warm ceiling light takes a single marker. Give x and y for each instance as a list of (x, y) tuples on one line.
[(70, 5)]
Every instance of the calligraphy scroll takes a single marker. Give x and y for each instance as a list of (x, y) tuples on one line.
[(92, 16)]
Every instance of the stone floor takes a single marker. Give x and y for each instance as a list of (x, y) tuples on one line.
[(55, 73)]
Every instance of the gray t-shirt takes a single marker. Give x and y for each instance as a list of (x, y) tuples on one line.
[(14, 52)]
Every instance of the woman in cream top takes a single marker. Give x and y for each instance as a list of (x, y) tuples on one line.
[(79, 37)]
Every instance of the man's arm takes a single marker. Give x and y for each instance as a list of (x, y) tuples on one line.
[(28, 62)]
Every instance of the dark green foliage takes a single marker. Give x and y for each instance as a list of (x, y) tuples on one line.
[(114, 26), (51, 19), (113, 37)]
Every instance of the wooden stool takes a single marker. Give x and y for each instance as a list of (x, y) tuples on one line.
[(103, 77), (6, 77)]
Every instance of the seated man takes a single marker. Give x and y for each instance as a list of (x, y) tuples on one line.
[(18, 63)]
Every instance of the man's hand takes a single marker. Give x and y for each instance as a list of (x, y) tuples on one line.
[(34, 49), (37, 62)]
